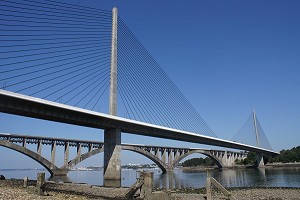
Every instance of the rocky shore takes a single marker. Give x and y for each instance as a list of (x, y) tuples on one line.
[(242, 194), (13, 189)]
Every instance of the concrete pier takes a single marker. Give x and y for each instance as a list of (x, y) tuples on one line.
[(165, 157), (53, 151), (39, 147), (259, 161), (66, 153), (112, 158), (112, 137)]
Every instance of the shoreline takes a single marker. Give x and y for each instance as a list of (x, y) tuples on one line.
[(287, 165), (200, 168), (13, 189), (268, 165)]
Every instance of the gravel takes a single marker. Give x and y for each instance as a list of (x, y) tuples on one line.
[(248, 194), (13, 189)]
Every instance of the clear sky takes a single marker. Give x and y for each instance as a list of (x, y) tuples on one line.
[(227, 58)]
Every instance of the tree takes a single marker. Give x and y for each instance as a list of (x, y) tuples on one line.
[(249, 160), (286, 156), (198, 162)]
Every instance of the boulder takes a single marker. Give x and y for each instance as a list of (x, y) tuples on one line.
[(2, 177)]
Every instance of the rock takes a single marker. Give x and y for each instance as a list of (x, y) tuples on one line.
[(2, 177)]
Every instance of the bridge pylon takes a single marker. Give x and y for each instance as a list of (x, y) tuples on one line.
[(112, 137), (259, 157)]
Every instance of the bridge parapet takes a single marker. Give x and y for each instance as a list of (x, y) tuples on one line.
[(48, 140)]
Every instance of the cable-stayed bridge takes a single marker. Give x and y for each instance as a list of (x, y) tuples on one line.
[(70, 64)]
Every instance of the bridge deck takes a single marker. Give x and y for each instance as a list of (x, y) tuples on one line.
[(23, 105), (47, 140)]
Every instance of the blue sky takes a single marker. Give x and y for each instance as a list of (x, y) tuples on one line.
[(227, 58)]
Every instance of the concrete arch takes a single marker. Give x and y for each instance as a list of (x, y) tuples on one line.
[(217, 161), (53, 169), (56, 171), (152, 157), (84, 156), (81, 158)]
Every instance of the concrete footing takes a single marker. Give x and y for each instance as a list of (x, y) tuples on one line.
[(112, 158), (59, 172)]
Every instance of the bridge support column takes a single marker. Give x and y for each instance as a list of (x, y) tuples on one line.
[(176, 152), (39, 147), (90, 148), (155, 152), (24, 143), (226, 160), (66, 154), (259, 161), (53, 151), (170, 160), (112, 158), (163, 155), (79, 149)]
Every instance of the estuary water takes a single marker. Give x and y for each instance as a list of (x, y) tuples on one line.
[(179, 178)]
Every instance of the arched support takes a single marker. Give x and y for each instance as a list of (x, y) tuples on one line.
[(53, 169), (81, 158), (181, 157), (89, 154), (221, 158), (152, 157)]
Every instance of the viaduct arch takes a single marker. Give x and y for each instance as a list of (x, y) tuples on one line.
[(220, 157), (214, 158), (53, 169)]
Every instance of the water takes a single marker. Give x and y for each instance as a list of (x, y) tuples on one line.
[(275, 177)]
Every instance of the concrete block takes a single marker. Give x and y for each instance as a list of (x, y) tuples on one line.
[(40, 183), (25, 185)]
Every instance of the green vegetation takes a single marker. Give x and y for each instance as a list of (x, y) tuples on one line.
[(287, 156), (250, 160), (198, 162)]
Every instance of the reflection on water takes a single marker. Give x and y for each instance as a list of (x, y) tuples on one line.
[(59, 179), (264, 177)]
